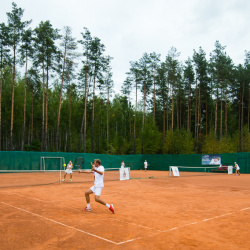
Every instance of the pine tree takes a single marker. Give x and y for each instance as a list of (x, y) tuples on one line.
[(15, 28), (26, 51), (69, 46), (5, 57)]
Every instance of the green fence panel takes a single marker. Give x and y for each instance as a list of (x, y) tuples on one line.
[(18, 160)]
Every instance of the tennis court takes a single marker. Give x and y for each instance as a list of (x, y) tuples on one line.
[(152, 211)]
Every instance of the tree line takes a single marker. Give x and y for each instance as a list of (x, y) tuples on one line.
[(61, 98)]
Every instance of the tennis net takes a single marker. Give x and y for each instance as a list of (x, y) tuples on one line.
[(21, 178), (110, 174), (196, 171)]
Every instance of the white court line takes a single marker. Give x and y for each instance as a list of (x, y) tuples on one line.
[(190, 224), (217, 217), (128, 241), (193, 223), (130, 223), (245, 209), (62, 224), (119, 243), (168, 230)]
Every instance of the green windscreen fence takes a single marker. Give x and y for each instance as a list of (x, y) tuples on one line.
[(18, 160)]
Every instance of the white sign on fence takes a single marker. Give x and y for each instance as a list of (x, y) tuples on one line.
[(230, 169)]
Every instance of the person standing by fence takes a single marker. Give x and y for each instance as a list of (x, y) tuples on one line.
[(237, 169)]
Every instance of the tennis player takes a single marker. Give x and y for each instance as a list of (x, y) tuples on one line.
[(237, 168), (145, 165), (68, 171), (98, 171), (122, 164)]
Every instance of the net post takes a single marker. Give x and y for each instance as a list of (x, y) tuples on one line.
[(169, 171), (60, 171), (41, 163)]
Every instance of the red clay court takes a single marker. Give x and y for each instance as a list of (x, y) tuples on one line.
[(152, 211)]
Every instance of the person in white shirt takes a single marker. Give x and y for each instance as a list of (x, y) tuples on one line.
[(237, 169), (145, 165), (68, 171), (122, 164), (98, 171)]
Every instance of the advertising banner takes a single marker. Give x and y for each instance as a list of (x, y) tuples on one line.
[(211, 159)]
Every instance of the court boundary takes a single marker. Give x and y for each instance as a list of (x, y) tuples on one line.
[(127, 241)]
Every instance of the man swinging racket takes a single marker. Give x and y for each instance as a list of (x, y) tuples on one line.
[(98, 171)]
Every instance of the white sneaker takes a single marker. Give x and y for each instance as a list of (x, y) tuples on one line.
[(88, 209)]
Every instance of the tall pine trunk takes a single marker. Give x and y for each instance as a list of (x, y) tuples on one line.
[(93, 117), (206, 116), (177, 114), (12, 99), (143, 115), (85, 112), (1, 84), (43, 109), (242, 115), (32, 115), (60, 101), (199, 113), (216, 109), (221, 111), (188, 121), (173, 106), (24, 106), (81, 133), (154, 97), (70, 107), (108, 120), (164, 121), (46, 111), (248, 112), (226, 112), (196, 109), (167, 106), (135, 116)]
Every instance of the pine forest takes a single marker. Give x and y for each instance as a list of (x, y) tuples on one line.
[(57, 95)]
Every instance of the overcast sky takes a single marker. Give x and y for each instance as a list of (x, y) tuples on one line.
[(129, 28)]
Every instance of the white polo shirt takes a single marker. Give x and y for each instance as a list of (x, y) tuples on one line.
[(99, 177)]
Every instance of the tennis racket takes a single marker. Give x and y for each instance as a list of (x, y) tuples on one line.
[(78, 162)]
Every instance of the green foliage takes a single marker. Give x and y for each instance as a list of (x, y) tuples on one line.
[(178, 142), (184, 104), (245, 139), (151, 138), (228, 145), (211, 144)]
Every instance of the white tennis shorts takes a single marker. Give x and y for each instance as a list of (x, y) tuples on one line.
[(68, 171), (96, 190)]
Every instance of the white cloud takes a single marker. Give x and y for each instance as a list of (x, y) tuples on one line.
[(130, 28)]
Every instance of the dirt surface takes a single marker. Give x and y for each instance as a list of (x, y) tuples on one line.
[(152, 211)]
